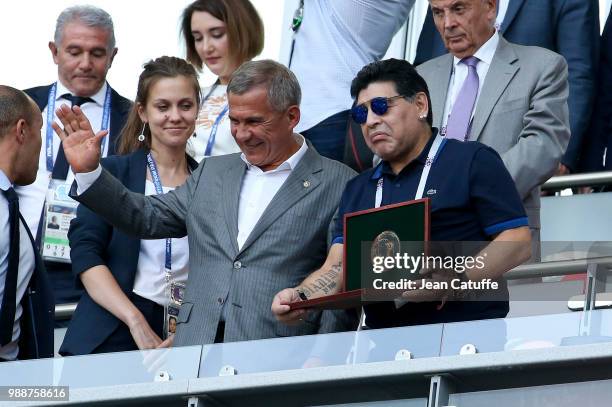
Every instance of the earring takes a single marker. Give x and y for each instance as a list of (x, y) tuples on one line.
[(422, 116), (141, 137)]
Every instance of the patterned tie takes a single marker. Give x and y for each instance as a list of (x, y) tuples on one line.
[(458, 125), (7, 312)]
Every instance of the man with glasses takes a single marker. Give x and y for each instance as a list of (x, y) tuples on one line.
[(472, 197)]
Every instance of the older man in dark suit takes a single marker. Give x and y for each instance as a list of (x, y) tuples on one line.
[(83, 50)]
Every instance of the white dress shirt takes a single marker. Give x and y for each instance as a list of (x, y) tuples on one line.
[(150, 282), (502, 8), (459, 73), (259, 188), (32, 197), (26, 267)]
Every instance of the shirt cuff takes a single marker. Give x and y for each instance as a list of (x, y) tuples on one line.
[(85, 179), (338, 239), (510, 224)]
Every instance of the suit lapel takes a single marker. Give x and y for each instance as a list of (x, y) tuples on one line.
[(137, 171), (119, 111), (513, 7), (40, 95), (501, 72), (439, 88), (301, 182), (230, 196)]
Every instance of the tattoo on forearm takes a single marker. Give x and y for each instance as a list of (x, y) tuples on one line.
[(326, 283)]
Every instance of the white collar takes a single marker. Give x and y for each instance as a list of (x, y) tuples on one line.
[(289, 164), (5, 183), (486, 52), (97, 97)]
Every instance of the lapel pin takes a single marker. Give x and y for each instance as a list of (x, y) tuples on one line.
[(306, 184)]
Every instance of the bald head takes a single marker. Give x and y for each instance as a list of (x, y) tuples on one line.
[(15, 105), (20, 140)]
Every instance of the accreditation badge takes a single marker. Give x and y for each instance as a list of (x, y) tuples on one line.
[(176, 293), (60, 209)]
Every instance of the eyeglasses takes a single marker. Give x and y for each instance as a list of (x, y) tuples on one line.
[(379, 105)]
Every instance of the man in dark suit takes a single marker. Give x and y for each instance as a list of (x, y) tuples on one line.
[(568, 27), (26, 301), (83, 50), (598, 147)]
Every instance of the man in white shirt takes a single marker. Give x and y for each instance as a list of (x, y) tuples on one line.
[(257, 220), (26, 301), (83, 50), (510, 97)]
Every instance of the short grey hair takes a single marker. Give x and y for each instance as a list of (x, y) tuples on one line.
[(282, 85), (90, 16)]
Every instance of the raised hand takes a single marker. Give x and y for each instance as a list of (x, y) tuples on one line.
[(81, 144)]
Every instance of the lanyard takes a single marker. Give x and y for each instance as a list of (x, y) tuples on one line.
[(51, 116), (433, 151), (210, 92), (158, 188), (213, 131), (296, 22)]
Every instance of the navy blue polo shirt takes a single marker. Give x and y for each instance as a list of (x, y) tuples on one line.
[(473, 198)]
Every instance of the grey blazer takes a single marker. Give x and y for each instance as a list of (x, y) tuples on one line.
[(521, 112), (287, 244)]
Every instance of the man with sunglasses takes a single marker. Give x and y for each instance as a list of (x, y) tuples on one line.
[(507, 96), (473, 198)]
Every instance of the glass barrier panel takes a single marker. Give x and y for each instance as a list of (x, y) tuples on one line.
[(299, 352), (28, 372), (109, 369), (542, 331), (421, 402)]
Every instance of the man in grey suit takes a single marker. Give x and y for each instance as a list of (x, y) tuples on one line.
[(257, 222), (510, 97)]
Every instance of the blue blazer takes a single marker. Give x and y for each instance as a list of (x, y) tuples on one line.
[(568, 27), (94, 242), (600, 133), (120, 107)]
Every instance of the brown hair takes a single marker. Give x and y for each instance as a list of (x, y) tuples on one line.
[(245, 29), (154, 70)]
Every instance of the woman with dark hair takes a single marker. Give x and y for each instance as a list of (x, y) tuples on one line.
[(221, 34), (133, 287)]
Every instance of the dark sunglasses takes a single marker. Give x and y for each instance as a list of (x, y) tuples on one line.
[(379, 105)]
